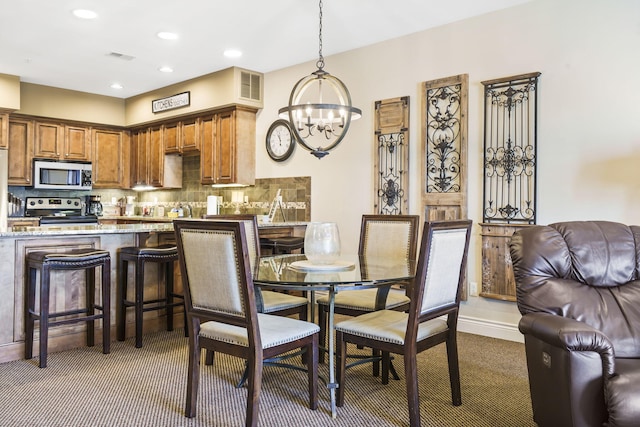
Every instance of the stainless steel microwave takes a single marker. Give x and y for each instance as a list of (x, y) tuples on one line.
[(53, 175)]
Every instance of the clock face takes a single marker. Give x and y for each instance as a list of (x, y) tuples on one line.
[(280, 142)]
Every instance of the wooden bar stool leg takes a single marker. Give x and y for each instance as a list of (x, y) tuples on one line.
[(30, 309), (90, 295), (168, 281), (139, 301), (44, 314), (105, 288), (121, 317)]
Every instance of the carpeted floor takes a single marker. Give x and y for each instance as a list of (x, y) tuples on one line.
[(146, 387)]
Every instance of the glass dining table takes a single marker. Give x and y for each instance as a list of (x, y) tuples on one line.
[(350, 272)]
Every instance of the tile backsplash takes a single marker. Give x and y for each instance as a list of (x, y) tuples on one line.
[(295, 191)]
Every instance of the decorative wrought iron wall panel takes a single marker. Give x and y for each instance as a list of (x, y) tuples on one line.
[(443, 139), (510, 140), (392, 156), (444, 148)]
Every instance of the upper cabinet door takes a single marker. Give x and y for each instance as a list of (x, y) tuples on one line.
[(155, 166), (4, 130), (48, 140), (77, 143), (110, 148), (207, 147), (171, 136), (139, 159), (190, 139), (20, 152), (227, 147)]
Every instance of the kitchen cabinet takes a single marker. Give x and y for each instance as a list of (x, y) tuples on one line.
[(227, 150), (110, 153), (139, 157), (77, 143), (61, 142), (4, 130), (150, 166), (172, 143), (155, 168), (182, 137), (20, 152)]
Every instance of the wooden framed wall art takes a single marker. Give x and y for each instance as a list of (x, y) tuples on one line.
[(391, 187)]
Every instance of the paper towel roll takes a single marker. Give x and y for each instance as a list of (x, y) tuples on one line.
[(212, 205)]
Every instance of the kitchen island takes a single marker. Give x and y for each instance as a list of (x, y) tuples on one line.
[(67, 287)]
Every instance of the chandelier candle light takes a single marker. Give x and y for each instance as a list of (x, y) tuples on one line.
[(320, 109)]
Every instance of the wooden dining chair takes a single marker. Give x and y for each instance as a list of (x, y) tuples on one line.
[(435, 292), (381, 236), (222, 314), (270, 302)]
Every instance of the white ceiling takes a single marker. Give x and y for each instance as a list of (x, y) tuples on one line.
[(43, 43)]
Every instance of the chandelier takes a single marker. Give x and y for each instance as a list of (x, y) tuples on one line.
[(320, 110)]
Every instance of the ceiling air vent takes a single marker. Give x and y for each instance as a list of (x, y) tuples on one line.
[(250, 86), (121, 56)]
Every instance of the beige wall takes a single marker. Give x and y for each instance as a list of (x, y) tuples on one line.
[(213, 90), (206, 92), (46, 101), (589, 126), (9, 92)]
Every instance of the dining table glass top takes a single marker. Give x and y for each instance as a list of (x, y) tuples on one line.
[(349, 272)]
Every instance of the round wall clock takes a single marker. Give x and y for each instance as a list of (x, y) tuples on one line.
[(280, 140)]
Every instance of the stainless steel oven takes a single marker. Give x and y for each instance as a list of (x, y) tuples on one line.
[(59, 211)]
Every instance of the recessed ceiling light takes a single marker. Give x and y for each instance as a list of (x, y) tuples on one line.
[(232, 53), (85, 14), (116, 86), (166, 69), (165, 35)]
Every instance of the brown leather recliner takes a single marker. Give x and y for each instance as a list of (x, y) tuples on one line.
[(578, 289)]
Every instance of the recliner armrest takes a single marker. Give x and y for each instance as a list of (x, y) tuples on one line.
[(569, 334)]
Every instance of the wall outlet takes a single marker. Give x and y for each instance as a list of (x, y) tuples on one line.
[(473, 289)]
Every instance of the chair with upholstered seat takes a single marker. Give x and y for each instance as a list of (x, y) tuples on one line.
[(435, 292), (222, 314), (382, 236), (271, 302)]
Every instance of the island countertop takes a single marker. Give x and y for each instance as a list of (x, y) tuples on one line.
[(142, 227)]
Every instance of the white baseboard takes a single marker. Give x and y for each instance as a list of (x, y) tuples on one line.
[(489, 328)]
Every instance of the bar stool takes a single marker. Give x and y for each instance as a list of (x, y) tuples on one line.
[(77, 259), (283, 245), (164, 255)]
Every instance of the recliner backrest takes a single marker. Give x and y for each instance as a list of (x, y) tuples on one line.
[(584, 270)]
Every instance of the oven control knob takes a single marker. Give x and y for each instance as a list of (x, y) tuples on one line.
[(32, 203)]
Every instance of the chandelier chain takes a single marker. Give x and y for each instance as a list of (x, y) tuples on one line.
[(320, 63)]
